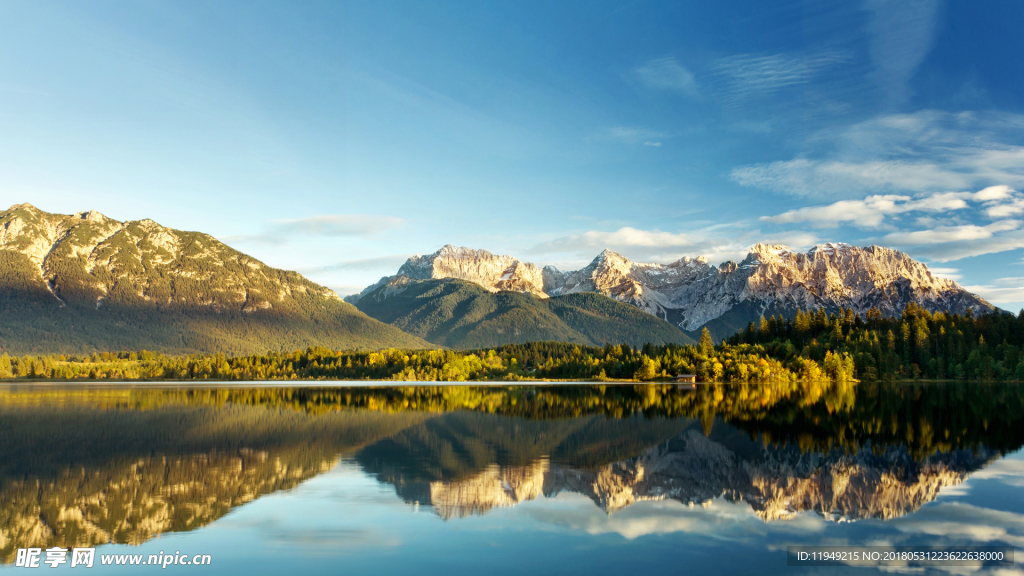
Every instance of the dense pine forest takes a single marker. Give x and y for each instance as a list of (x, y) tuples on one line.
[(918, 344), (810, 346)]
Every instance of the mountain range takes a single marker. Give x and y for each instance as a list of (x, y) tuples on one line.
[(692, 293), (86, 282)]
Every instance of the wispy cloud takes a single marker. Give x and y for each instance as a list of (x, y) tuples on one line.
[(667, 74), (966, 242), (951, 234), (718, 244), (949, 273), (831, 178), (346, 289), (339, 225), (631, 135), (328, 225), (1001, 291), (928, 151), (1007, 471), (901, 33), (754, 76), (388, 264)]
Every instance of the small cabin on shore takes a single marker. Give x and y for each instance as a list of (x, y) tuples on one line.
[(691, 378)]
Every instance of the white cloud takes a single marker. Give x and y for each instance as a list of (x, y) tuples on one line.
[(869, 212), (1002, 291), (1013, 208), (994, 193), (652, 143), (949, 237), (929, 151), (667, 74), (719, 519), (872, 211), (632, 237)]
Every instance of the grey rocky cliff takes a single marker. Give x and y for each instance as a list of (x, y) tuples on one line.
[(692, 292)]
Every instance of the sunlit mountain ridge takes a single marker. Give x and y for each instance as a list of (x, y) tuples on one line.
[(692, 293), (86, 282)]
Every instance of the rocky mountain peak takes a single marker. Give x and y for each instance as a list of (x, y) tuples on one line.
[(691, 293), (829, 247), (608, 262), (90, 258), (768, 252), (24, 206), (92, 216), (493, 272)]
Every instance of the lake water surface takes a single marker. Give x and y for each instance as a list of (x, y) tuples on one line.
[(560, 479)]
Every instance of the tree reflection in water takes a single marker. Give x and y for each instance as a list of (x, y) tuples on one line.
[(83, 465)]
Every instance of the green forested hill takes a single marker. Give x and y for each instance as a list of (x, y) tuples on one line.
[(460, 314), (85, 282)]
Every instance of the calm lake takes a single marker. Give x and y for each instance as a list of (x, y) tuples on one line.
[(563, 479)]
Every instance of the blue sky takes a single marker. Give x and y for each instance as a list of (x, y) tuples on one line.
[(339, 138)]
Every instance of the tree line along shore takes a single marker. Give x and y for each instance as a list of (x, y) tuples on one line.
[(918, 345)]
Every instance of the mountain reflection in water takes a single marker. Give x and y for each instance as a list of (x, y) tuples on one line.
[(694, 469), (82, 466)]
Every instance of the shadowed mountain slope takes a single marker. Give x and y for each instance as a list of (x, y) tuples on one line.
[(461, 314)]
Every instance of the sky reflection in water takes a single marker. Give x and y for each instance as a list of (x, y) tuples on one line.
[(596, 480)]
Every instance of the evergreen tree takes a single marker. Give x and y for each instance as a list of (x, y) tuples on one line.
[(707, 345), (837, 332), (802, 323)]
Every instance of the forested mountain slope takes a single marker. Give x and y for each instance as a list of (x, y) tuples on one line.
[(461, 314)]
